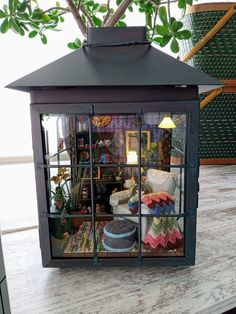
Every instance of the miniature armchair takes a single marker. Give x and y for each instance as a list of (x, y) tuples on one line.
[(159, 181)]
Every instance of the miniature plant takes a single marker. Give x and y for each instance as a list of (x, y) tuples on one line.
[(62, 193), (68, 192)]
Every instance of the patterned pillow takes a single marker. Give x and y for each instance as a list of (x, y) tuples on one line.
[(133, 204), (133, 201)]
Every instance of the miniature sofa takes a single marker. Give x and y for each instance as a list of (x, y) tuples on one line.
[(159, 181)]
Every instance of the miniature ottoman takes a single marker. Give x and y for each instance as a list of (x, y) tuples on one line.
[(119, 236)]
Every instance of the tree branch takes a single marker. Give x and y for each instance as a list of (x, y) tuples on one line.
[(57, 8), (108, 13), (90, 22), (79, 7), (114, 18), (77, 17), (154, 22), (164, 2), (168, 5)]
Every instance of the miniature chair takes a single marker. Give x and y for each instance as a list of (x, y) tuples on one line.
[(159, 181)]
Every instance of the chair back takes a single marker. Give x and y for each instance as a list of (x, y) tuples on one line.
[(161, 181)]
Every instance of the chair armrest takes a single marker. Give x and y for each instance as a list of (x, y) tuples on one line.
[(120, 197)]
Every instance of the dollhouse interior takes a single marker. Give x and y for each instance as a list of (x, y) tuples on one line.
[(115, 184)]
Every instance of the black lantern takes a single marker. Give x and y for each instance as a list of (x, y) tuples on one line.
[(115, 137)]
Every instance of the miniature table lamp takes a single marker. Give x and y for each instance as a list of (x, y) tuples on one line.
[(132, 159)]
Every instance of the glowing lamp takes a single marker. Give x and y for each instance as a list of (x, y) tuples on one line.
[(167, 123)]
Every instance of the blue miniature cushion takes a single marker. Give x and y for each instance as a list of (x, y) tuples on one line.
[(133, 204)]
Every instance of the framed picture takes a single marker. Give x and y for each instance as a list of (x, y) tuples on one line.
[(132, 141), (96, 173)]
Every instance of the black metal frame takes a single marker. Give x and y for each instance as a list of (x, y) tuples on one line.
[(188, 106)]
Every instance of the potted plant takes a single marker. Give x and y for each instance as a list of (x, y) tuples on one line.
[(65, 197)]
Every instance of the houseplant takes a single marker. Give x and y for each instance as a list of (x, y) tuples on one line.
[(29, 17), (65, 198)]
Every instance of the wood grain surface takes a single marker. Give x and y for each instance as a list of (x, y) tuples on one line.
[(208, 287)]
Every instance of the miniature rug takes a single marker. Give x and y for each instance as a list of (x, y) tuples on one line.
[(82, 240)]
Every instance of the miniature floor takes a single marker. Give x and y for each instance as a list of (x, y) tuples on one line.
[(209, 287)]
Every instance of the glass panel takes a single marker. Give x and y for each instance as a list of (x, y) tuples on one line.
[(71, 237), (179, 191), (163, 236), (178, 139), (66, 139), (118, 237), (109, 137), (163, 138), (112, 187)]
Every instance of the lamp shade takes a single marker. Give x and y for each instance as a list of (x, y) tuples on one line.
[(167, 123), (132, 158)]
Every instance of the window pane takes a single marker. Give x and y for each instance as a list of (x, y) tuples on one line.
[(163, 138), (93, 171), (71, 237), (164, 237)]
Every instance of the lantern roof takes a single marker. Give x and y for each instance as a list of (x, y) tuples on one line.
[(115, 57)]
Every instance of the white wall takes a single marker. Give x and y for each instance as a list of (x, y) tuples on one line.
[(18, 57)]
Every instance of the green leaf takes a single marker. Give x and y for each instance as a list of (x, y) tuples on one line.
[(130, 8), (103, 9), (157, 40), (24, 16), (176, 26), (21, 31), (165, 40), (44, 39), (22, 6), (189, 2), (14, 25), (182, 4), (149, 19), (5, 8), (72, 46), (62, 19), (141, 10), (121, 24), (89, 3), (57, 4), (185, 34), (46, 18), (37, 15), (2, 14), (32, 34), (162, 30), (10, 5), (174, 46), (163, 15), (97, 21), (77, 41), (5, 26), (24, 26), (118, 2), (95, 7)]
